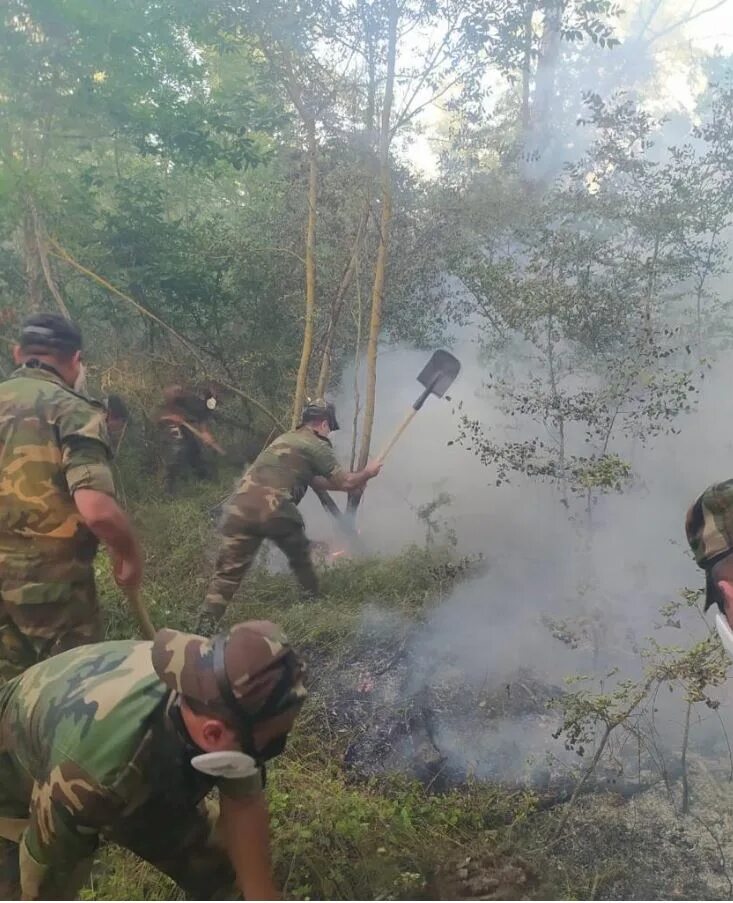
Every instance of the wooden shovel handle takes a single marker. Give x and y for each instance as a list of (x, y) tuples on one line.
[(203, 436), (398, 432), (140, 611)]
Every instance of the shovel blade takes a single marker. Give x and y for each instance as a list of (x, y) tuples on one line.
[(439, 372)]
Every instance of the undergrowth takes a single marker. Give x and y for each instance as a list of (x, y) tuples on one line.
[(332, 837)]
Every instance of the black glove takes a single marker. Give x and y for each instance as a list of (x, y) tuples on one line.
[(207, 624)]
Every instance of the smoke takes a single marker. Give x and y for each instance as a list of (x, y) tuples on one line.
[(557, 597), (542, 567)]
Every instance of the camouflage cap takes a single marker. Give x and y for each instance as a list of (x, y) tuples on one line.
[(50, 332), (709, 528), (258, 661)]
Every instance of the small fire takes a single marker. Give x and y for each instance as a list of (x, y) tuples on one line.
[(338, 553)]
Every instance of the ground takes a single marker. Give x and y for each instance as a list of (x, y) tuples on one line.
[(367, 804)]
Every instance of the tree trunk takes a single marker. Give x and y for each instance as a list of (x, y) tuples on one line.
[(651, 291), (32, 265), (380, 266), (45, 263), (338, 305), (358, 318), (310, 275), (544, 92), (527, 67)]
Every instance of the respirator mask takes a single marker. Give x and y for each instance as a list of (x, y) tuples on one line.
[(724, 632), (247, 762)]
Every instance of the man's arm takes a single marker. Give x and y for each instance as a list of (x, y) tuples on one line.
[(85, 457), (109, 523), (245, 831), (347, 481)]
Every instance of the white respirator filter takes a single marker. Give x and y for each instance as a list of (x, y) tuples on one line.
[(229, 764), (724, 632), (211, 403)]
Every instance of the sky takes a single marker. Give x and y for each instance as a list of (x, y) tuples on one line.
[(678, 78)]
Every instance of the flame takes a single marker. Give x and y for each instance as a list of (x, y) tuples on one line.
[(338, 553)]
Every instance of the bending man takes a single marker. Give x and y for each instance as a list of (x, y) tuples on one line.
[(264, 506), (123, 740)]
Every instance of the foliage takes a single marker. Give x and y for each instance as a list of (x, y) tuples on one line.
[(591, 291), (592, 717), (332, 838)]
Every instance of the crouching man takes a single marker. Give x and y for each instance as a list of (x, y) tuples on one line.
[(123, 741), (709, 528)]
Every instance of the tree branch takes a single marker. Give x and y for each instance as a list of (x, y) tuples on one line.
[(64, 255)]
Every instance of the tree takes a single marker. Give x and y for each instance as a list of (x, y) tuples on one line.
[(593, 281)]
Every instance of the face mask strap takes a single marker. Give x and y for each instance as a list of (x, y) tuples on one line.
[(225, 690), (282, 701)]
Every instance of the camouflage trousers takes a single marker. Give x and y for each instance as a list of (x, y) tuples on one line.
[(38, 620), (241, 541), (180, 842)]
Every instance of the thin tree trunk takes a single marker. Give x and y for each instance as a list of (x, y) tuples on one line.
[(527, 67), (700, 287), (45, 265), (557, 416), (544, 93), (583, 780), (34, 293), (310, 275), (651, 291), (338, 305), (357, 359), (380, 267), (685, 806)]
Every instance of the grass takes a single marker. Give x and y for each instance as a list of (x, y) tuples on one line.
[(339, 837), (332, 837)]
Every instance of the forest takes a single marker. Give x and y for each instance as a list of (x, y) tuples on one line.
[(513, 691)]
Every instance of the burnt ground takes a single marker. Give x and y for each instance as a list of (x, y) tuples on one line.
[(394, 715), (642, 849), (625, 839), (613, 848)]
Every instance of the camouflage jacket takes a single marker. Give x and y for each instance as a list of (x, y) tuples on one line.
[(280, 475), (52, 442), (87, 743)]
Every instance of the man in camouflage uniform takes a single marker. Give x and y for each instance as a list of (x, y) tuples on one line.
[(118, 418), (56, 501), (264, 506), (123, 740), (184, 420), (709, 528)]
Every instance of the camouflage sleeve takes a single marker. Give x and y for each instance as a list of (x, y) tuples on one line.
[(85, 446), (324, 462), (66, 812)]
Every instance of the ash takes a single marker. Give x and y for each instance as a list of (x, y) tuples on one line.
[(395, 714)]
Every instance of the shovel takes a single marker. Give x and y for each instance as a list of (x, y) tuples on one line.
[(140, 610), (437, 376)]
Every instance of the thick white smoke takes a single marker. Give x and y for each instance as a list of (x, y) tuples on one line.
[(539, 561)]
